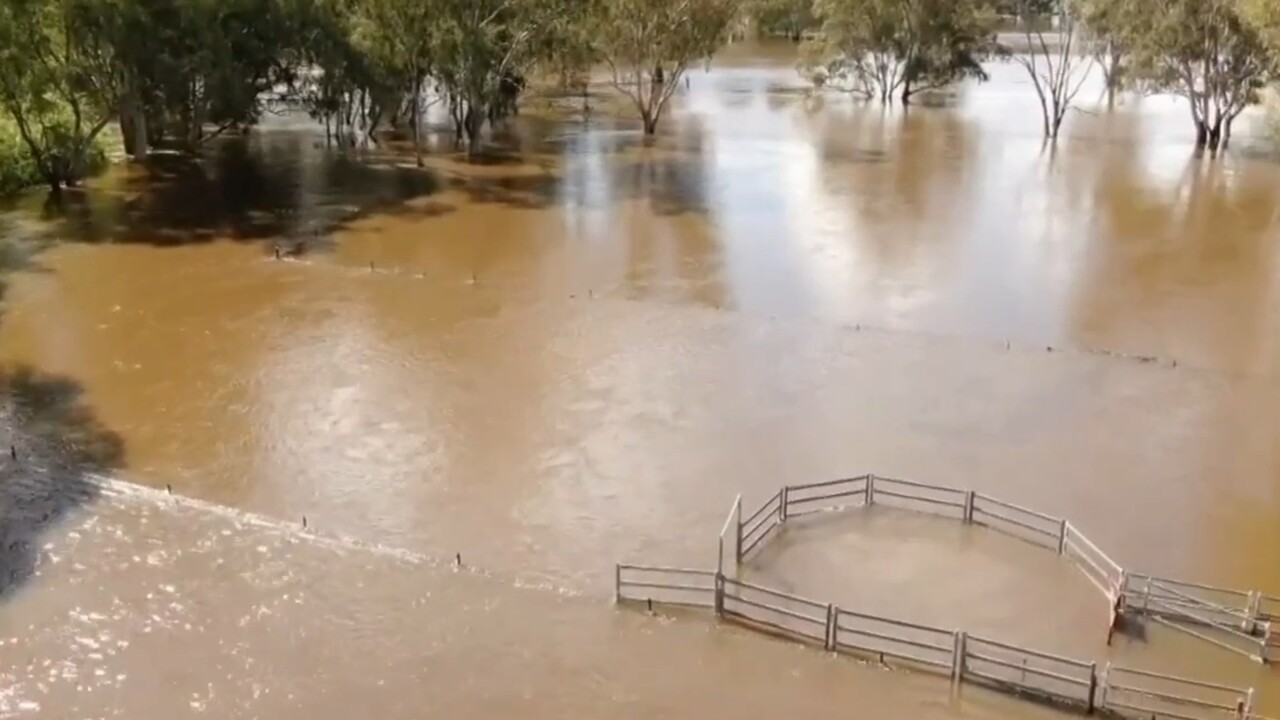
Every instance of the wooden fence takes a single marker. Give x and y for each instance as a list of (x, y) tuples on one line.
[(1234, 620), (963, 658)]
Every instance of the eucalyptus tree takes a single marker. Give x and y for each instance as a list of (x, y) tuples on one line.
[(648, 45), (1211, 53), (1054, 58), (893, 49), (58, 84)]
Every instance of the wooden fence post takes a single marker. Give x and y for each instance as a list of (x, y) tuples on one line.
[(782, 505), (957, 658), (617, 584), (1062, 537), (831, 627), (1093, 688), (719, 595), (1251, 607), (968, 506), (871, 489), (1102, 687)]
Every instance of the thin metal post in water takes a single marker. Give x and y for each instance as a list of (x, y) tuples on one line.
[(968, 506), (1062, 537), (871, 489), (957, 658), (1093, 687)]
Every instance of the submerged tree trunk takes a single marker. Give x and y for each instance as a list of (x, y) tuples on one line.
[(417, 121), (475, 122)]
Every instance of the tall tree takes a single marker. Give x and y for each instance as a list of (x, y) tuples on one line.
[(486, 48), (58, 82), (886, 49), (789, 18), (402, 37), (650, 44), (1208, 52), (1104, 21), (1052, 58)]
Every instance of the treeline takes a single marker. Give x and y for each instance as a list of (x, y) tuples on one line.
[(1217, 54), (175, 73)]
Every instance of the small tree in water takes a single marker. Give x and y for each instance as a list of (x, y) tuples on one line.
[(649, 45), (1052, 58), (1208, 52), (882, 49), (57, 82)]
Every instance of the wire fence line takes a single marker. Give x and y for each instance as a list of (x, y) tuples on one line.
[(1234, 620)]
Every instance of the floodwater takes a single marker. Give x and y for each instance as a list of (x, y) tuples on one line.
[(580, 351)]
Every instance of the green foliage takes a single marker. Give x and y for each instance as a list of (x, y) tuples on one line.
[(1208, 51), (788, 18), (649, 44), (887, 48), (17, 168), (57, 83)]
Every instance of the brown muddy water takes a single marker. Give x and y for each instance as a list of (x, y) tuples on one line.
[(578, 352)]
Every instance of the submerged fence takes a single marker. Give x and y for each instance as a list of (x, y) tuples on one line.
[(1234, 620), (955, 654)]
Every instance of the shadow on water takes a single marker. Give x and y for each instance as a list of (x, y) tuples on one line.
[(50, 440), (246, 189), (58, 443)]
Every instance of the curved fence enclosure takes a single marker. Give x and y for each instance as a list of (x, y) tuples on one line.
[(1239, 621), (964, 658), (1233, 620)]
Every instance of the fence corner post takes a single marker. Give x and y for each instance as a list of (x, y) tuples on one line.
[(1251, 608), (831, 627), (871, 489), (719, 594), (1093, 688), (737, 539), (1102, 687), (1246, 704), (957, 658), (782, 504), (968, 506), (617, 583), (1062, 536)]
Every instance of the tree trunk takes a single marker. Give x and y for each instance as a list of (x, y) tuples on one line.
[(475, 122), (417, 121), (126, 131), (1226, 134), (650, 123), (906, 93), (1202, 135), (1111, 94)]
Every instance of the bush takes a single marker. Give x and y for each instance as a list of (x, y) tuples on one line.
[(17, 168)]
